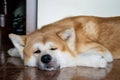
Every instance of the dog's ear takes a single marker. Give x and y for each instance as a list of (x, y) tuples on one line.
[(67, 35), (17, 39), (19, 42)]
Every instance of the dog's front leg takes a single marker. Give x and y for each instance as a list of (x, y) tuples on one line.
[(94, 58), (13, 52), (18, 42)]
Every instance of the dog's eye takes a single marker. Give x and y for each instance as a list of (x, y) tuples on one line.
[(53, 48), (37, 51)]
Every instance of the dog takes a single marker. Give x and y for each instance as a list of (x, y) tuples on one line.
[(89, 41)]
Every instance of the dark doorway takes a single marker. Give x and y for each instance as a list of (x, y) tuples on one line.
[(12, 19)]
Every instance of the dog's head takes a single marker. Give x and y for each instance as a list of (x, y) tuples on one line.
[(48, 51)]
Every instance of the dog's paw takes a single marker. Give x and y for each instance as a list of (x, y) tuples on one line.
[(108, 57), (92, 60), (99, 61), (13, 52)]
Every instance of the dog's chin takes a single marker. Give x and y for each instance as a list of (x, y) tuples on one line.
[(53, 65), (49, 67)]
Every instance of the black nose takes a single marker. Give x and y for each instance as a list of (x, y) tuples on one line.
[(46, 58)]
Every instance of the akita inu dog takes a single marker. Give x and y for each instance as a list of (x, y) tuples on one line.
[(75, 41)]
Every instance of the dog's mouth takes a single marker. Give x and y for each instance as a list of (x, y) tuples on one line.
[(53, 65), (50, 68)]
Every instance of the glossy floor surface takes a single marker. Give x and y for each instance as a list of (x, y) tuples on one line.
[(12, 68)]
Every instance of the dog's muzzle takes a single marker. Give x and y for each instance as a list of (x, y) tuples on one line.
[(47, 62)]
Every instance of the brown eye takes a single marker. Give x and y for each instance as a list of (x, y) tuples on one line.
[(53, 48), (37, 52)]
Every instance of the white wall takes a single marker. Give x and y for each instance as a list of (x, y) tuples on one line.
[(52, 10)]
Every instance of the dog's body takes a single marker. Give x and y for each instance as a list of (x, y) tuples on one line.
[(75, 41)]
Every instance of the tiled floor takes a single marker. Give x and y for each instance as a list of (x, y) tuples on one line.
[(12, 69)]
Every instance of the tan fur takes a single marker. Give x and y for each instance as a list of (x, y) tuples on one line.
[(90, 32)]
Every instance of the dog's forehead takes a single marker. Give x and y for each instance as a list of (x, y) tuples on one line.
[(40, 45), (42, 37), (39, 36), (42, 40)]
